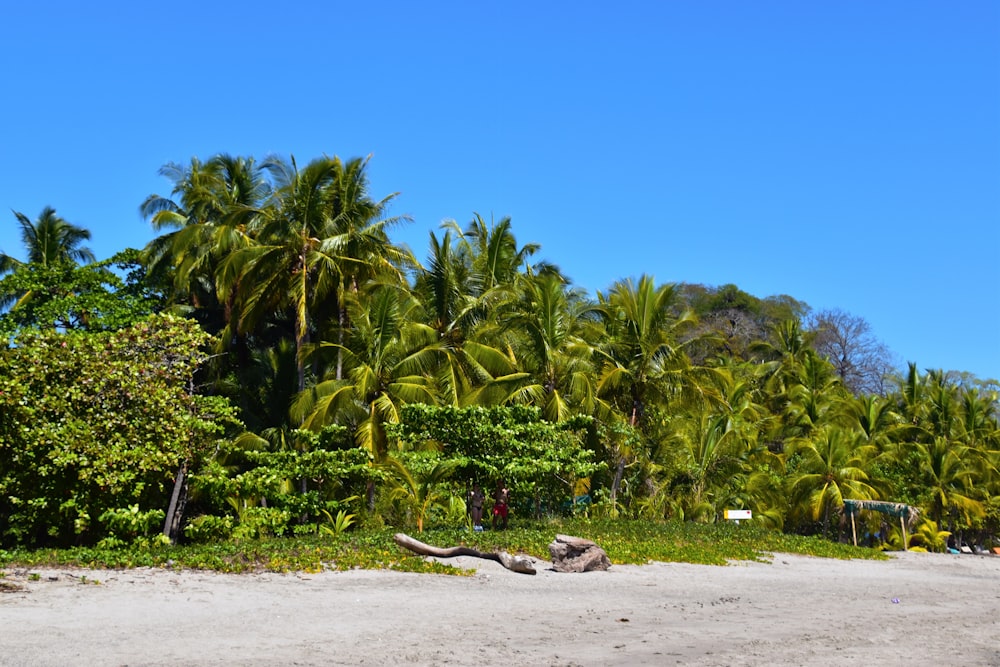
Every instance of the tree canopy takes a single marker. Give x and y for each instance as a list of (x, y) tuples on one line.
[(274, 359)]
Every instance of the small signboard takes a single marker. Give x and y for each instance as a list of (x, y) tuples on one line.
[(738, 515)]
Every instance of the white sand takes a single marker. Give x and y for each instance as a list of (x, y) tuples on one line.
[(794, 611)]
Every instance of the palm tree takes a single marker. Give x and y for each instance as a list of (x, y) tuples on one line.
[(978, 418), (948, 473), (284, 266), (48, 241), (550, 327), (495, 258), (874, 417), (492, 264), (783, 354), (443, 288), (829, 466), (454, 308), (388, 360), (713, 453), (419, 493), (314, 235), (358, 238), (643, 360), (910, 396), (815, 394), (202, 232)]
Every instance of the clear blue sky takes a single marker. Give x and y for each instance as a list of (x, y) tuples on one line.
[(844, 153)]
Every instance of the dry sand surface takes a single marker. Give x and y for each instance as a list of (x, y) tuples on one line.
[(793, 611)]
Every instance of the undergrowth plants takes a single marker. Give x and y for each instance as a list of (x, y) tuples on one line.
[(626, 542)]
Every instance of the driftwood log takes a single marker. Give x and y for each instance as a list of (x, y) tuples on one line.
[(522, 564), (576, 554)]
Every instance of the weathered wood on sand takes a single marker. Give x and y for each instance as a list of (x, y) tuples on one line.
[(522, 564), (576, 554)]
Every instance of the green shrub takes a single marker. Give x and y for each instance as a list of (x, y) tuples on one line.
[(209, 529)]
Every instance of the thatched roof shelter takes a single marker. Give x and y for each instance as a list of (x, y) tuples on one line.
[(906, 513), (901, 510)]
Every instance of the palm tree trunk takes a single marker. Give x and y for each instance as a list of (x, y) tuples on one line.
[(178, 499), (616, 483), (341, 326), (620, 469)]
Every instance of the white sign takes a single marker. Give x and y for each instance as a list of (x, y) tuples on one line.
[(737, 515)]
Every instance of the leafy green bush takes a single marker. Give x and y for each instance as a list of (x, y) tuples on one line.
[(208, 528), (94, 422), (257, 522), (128, 525)]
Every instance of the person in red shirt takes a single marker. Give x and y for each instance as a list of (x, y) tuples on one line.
[(500, 500)]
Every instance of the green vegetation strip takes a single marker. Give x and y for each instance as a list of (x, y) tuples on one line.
[(627, 542)]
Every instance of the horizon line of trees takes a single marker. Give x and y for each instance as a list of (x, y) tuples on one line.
[(326, 335)]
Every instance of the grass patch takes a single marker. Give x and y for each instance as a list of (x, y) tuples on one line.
[(627, 542)]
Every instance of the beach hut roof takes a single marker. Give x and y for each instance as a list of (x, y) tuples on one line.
[(901, 510)]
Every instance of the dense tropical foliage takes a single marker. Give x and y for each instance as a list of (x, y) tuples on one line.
[(273, 364)]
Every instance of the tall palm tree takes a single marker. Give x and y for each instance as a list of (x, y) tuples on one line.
[(455, 309), (496, 259), (199, 226), (388, 361), (387, 358), (552, 331), (48, 240), (713, 453), (832, 464), (359, 239), (815, 394), (978, 418), (643, 355), (949, 471), (314, 234), (910, 396), (874, 417), (643, 359), (783, 353), (492, 264)]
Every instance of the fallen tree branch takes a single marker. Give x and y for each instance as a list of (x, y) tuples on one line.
[(522, 564)]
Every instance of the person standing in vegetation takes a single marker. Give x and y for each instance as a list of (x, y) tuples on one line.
[(500, 500), (476, 498)]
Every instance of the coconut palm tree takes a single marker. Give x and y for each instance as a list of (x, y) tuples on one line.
[(815, 393), (387, 360), (314, 235), (642, 360), (202, 227), (454, 308), (910, 396), (829, 466), (874, 417), (713, 453), (49, 241), (550, 331), (496, 259), (782, 356), (443, 288), (948, 473), (359, 239)]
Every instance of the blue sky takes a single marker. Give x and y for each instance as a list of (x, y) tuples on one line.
[(846, 154)]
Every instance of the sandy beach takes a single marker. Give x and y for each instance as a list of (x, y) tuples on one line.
[(913, 609)]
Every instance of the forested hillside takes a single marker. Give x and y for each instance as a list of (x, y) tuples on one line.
[(273, 362)]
